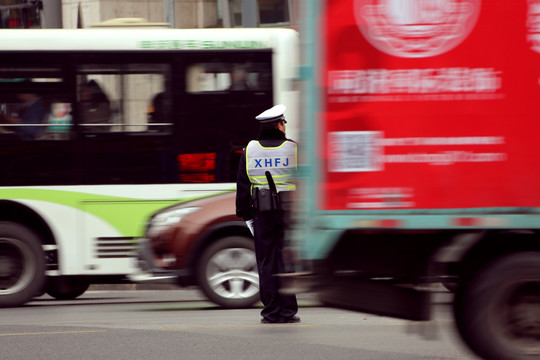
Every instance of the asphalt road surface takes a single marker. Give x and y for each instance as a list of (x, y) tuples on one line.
[(181, 325)]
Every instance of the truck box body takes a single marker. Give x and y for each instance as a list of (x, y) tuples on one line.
[(430, 105)]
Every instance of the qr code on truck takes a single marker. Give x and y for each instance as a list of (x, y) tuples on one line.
[(353, 151)]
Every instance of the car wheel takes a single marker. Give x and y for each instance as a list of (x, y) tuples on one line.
[(498, 313), (227, 272), (66, 288), (22, 264)]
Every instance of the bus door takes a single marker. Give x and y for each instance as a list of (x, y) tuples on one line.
[(223, 94)]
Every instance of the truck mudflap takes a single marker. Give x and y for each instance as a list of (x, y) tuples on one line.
[(363, 295)]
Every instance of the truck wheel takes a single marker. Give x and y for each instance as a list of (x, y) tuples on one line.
[(227, 272), (66, 288), (22, 264), (498, 313)]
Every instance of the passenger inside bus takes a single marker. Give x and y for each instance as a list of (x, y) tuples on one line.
[(31, 111), (239, 79), (94, 108), (157, 113)]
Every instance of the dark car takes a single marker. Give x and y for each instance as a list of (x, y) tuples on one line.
[(203, 242)]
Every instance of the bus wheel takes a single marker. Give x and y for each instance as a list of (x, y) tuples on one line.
[(498, 313), (22, 264), (227, 272), (66, 287)]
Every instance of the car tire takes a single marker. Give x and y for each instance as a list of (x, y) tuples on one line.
[(22, 264), (497, 312), (227, 272)]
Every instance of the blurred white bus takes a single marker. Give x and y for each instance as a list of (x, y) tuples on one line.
[(100, 128)]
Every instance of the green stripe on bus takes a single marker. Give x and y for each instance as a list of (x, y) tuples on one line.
[(127, 215)]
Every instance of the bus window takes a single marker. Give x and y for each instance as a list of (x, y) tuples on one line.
[(33, 104), (120, 98), (207, 77)]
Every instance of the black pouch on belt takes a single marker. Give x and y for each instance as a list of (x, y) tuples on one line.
[(262, 200), (266, 199)]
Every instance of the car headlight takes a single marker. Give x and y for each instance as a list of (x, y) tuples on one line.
[(163, 220)]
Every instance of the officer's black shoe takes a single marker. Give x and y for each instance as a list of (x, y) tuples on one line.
[(291, 320), (268, 321)]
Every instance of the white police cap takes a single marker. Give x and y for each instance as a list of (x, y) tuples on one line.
[(272, 115)]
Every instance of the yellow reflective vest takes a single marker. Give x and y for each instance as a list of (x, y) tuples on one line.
[(280, 161)]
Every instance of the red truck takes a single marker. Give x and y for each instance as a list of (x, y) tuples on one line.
[(421, 163)]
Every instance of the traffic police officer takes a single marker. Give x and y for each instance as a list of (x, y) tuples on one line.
[(271, 152)]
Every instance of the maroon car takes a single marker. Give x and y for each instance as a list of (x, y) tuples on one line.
[(203, 242)]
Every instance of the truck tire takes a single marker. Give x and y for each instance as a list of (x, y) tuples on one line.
[(498, 313), (22, 264), (227, 273), (66, 287)]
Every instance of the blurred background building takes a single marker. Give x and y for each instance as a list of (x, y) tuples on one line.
[(70, 14)]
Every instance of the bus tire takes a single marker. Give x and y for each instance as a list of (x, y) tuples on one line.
[(66, 287), (497, 314), (22, 264), (227, 272)]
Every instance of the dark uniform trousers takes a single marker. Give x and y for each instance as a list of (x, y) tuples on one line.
[(269, 240)]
